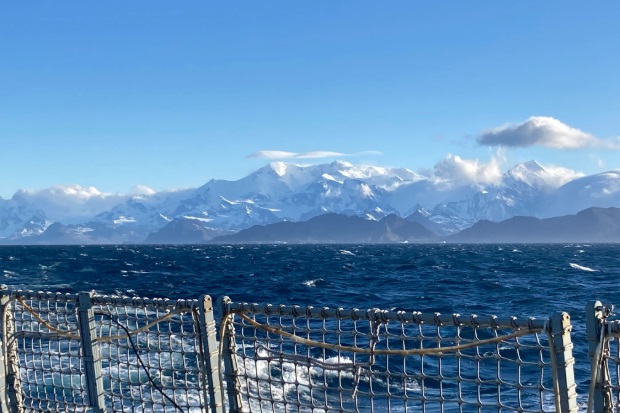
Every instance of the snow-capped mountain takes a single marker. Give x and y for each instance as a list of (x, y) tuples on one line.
[(286, 192), (18, 217), (293, 191), (599, 190), (525, 189), (281, 191)]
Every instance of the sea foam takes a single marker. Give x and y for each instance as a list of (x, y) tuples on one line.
[(312, 283), (581, 267)]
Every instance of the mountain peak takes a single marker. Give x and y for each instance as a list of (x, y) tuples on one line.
[(536, 175), (290, 191), (529, 166), (530, 172), (278, 167), (341, 164)]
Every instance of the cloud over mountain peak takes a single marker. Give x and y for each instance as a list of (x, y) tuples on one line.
[(457, 193), (539, 131)]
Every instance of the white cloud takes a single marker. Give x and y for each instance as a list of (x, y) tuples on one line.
[(454, 172), (543, 131), (369, 153), (319, 154), (272, 155), (457, 170), (74, 192), (143, 190), (268, 154), (71, 202), (556, 176)]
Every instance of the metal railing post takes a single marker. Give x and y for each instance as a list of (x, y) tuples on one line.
[(210, 354), (599, 397), (229, 356), (10, 384), (562, 347), (91, 353)]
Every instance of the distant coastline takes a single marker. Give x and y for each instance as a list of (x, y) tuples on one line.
[(593, 225)]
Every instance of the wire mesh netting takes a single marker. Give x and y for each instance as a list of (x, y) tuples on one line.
[(306, 359), (159, 355), (150, 353), (44, 334)]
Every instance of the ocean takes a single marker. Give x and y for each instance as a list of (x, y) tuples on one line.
[(522, 280), (503, 280)]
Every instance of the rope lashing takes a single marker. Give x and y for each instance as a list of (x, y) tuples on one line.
[(73, 336), (426, 351)]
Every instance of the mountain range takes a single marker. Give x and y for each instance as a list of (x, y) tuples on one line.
[(592, 225), (286, 193), (334, 228)]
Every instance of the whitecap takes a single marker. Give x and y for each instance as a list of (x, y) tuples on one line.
[(346, 252), (312, 283), (581, 267)]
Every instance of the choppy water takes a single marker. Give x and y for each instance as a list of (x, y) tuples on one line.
[(521, 280), (483, 279)]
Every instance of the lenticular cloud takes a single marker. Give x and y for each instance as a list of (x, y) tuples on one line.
[(306, 155), (540, 131)]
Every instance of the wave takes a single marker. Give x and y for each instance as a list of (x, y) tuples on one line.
[(280, 378), (312, 283), (581, 267)]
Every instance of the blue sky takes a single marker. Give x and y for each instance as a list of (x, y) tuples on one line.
[(171, 94)]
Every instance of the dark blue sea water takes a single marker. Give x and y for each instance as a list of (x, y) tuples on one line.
[(505, 280), (483, 279)]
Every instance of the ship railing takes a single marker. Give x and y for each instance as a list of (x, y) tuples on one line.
[(88, 352), (603, 332), (291, 358), (98, 353)]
